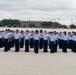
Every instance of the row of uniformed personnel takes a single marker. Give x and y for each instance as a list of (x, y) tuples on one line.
[(37, 40)]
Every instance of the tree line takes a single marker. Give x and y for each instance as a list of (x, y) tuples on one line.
[(49, 24)]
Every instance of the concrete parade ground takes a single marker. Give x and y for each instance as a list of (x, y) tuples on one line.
[(22, 63)]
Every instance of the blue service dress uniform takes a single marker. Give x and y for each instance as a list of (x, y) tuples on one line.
[(11, 40), (56, 42), (45, 42), (36, 43), (9, 43), (17, 37), (41, 41), (31, 41), (60, 41), (74, 43), (64, 43), (69, 42), (22, 41), (6, 42), (27, 38), (52, 42)]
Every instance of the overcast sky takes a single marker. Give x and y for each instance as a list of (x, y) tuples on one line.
[(39, 10)]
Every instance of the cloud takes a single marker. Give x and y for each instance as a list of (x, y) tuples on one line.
[(38, 9)]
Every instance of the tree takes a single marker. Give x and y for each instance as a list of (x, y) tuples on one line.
[(72, 26), (46, 24), (56, 25), (0, 24), (10, 22), (64, 26)]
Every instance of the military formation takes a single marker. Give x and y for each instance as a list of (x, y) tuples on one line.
[(37, 40)]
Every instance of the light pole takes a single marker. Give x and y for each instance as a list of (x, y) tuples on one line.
[(29, 22), (58, 20), (71, 21)]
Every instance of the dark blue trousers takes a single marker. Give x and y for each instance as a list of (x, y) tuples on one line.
[(22, 43), (69, 44), (36, 46), (26, 45), (1, 43), (41, 43), (51, 47), (9, 45), (45, 45), (16, 45), (64, 46), (74, 46), (6, 45), (55, 46), (31, 43), (60, 43)]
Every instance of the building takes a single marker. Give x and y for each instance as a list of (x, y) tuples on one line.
[(27, 23)]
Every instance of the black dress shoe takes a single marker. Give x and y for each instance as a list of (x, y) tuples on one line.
[(51, 52), (45, 51)]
